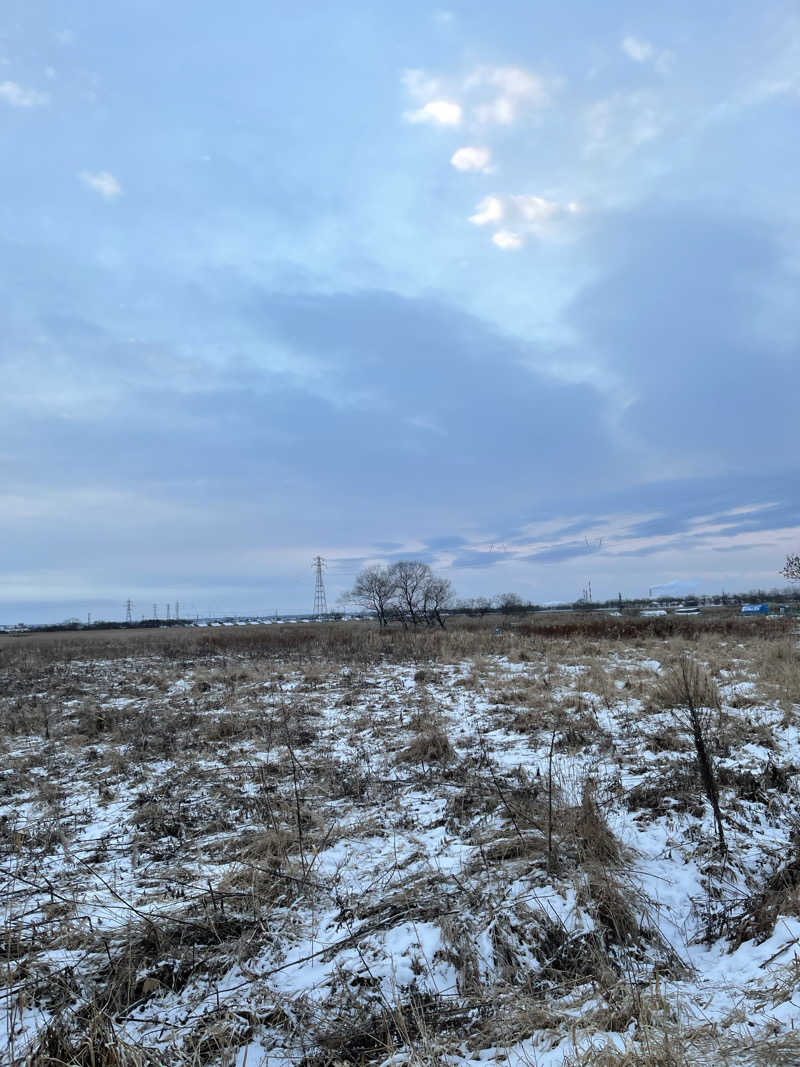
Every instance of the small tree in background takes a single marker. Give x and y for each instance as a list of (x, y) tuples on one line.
[(791, 569), (509, 603), (410, 578), (374, 590), (408, 590), (437, 594)]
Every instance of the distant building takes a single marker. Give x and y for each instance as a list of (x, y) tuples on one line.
[(755, 609)]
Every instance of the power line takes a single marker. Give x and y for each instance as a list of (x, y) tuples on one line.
[(320, 599)]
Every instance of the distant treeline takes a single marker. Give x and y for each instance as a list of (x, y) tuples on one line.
[(475, 607), (100, 624), (511, 604)]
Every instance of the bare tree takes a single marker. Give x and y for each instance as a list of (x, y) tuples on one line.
[(408, 590), (437, 593), (411, 577), (374, 589), (509, 603), (791, 568)]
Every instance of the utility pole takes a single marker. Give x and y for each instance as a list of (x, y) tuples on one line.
[(320, 600), (167, 612), (177, 611), (129, 613)]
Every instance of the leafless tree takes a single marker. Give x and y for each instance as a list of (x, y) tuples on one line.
[(374, 590), (437, 593), (410, 578), (791, 568), (508, 603)]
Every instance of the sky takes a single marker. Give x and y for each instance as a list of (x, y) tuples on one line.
[(509, 288)]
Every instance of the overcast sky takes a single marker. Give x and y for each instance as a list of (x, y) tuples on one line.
[(510, 287)]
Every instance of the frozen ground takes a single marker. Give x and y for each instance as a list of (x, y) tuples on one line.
[(505, 856)]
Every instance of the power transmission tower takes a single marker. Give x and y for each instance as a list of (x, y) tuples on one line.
[(129, 612), (320, 600), (167, 612), (155, 611), (177, 610)]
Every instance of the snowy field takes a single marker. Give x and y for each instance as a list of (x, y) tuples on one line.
[(438, 848)]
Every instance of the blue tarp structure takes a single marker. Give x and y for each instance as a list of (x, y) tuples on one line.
[(755, 609)]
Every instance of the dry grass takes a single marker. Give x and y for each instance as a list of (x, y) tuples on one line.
[(243, 780)]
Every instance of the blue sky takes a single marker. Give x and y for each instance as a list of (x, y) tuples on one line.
[(511, 288)]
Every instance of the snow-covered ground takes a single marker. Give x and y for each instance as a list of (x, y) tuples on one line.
[(508, 857)]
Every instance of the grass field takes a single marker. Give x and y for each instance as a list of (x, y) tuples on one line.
[(326, 845)]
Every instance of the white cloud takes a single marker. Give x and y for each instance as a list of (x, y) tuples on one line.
[(17, 96), (535, 208), (494, 95), (638, 50), (437, 112), (501, 110), (490, 209), (530, 216), (514, 81), (515, 88), (507, 240), (641, 51), (471, 158), (103, 182)]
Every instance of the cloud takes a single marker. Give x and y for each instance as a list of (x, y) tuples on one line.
[(565, 550), (17, 96), (496, 95), (676, 587), (515, 89), (535, 209), (103, 182), (511, 81), (490, 209), (641, 51), (507, 240), (530, 215), (471, 158), (500, 111), (437, 113), (638, 50), (479, 557), (621, 123), (708, 337)]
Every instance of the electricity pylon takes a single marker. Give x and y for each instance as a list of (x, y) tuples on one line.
[(320, 600)]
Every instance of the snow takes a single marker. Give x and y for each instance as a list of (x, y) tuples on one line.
[(398, 882)]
